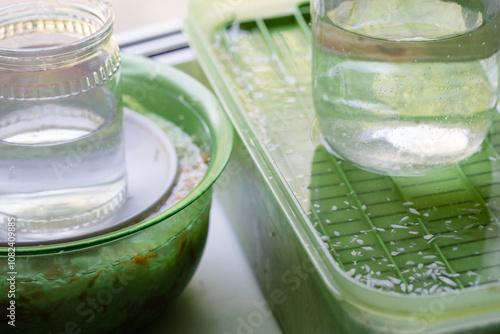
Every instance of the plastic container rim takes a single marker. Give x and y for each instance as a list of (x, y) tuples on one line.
[(336, 281)]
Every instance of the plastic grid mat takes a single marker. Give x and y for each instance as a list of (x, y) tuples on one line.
[(417, 235)]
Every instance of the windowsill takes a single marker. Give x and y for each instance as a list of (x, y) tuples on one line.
[(131, 14)]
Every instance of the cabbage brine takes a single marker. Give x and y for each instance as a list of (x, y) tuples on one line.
[(405, 87)]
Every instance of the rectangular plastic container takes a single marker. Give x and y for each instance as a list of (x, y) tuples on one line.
[(337, 249)]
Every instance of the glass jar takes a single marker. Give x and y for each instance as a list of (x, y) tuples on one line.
[(405, 87), (62, 161)]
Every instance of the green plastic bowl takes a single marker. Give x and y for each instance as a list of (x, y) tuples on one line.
[(120, 281)]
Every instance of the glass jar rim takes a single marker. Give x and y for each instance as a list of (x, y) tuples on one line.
[(103, 12)]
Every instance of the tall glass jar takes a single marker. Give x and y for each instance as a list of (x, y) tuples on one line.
[(62, 164), (405, 87)]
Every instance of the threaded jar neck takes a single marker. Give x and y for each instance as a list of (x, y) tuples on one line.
[(51, 32)]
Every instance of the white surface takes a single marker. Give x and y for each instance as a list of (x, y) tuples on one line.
[(223, 296), (130, 14)]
